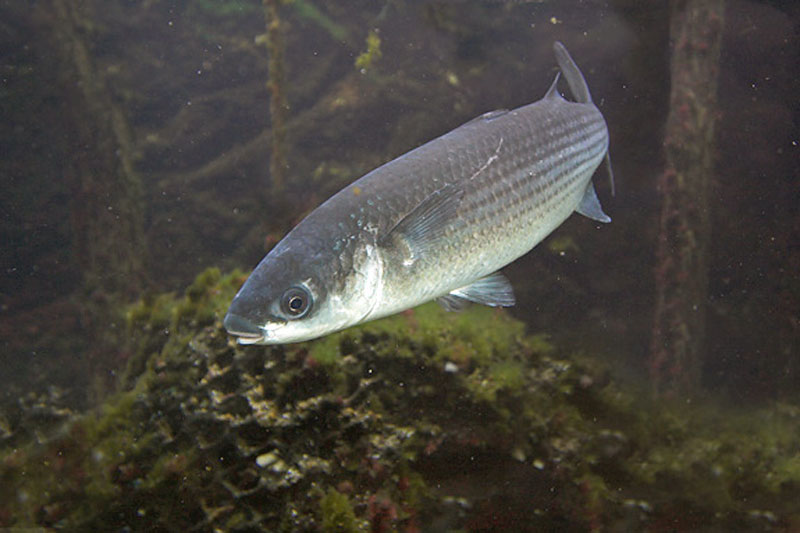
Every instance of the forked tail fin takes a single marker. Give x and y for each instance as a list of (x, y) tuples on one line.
[(573, 74), (580, 91)]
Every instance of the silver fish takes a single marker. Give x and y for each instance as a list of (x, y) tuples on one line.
[(435, 223)]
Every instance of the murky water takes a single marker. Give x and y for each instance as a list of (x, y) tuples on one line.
[(138, 144)]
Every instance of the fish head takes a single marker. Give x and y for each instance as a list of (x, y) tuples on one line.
[(304, 289)]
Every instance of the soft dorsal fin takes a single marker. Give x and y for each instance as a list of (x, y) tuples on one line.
[(577, 84), (552, 92)]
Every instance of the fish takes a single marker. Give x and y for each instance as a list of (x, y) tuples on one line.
[(437, 223)]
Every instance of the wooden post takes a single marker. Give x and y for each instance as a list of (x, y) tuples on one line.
[(685, 224)]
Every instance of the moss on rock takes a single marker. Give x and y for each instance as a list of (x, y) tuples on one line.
[(423, 421)]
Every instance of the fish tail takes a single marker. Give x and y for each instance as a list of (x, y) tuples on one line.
[(577, 84)]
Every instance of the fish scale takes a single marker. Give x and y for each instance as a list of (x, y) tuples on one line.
[(519, 198), (438, 222)]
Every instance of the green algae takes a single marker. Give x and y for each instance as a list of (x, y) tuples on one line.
[(475, 336), (159, 325), (309, 11), (337, 513), (376, 427), (366, 60)]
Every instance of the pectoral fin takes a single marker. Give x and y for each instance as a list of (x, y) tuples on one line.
[(493, 290), (590, 206), (427, 224)]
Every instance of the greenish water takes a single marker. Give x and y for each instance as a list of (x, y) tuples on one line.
[(136, 141)]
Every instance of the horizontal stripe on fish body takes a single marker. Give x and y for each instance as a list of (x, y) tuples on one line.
[(437, 222)]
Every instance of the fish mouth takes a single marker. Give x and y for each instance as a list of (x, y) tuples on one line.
[(246, 331)]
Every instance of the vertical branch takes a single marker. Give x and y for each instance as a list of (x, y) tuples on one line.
[(107, 206), (685, 227), (276, 85), (106, 193)]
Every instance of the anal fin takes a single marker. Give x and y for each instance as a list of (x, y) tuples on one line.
[(590, 206)]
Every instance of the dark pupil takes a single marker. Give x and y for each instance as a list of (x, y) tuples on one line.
[(295, 303)]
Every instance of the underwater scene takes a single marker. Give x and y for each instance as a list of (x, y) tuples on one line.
[(400, 265)]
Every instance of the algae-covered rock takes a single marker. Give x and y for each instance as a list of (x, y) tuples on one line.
[(337, 513), (426, 421)]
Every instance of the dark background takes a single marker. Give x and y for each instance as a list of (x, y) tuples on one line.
[(190, 81)]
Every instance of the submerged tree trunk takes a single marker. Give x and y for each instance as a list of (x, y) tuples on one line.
[(685, 227), (105, 191)]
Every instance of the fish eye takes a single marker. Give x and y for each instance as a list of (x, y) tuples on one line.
[(296, 302)]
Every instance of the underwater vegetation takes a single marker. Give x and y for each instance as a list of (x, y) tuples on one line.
[(170, 127), (368, 58), (426, 421)]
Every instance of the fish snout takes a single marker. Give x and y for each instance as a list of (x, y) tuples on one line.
[(242, 328)]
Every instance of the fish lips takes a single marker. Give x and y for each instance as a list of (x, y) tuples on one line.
[(246, 331)]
